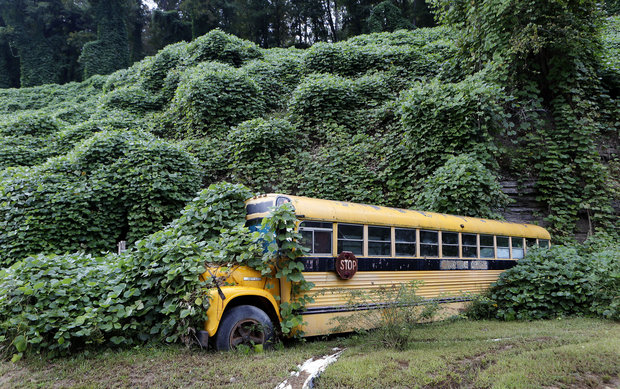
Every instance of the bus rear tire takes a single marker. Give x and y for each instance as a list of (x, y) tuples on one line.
[(244, 325)]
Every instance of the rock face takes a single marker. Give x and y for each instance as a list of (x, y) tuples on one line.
[(526, 209)]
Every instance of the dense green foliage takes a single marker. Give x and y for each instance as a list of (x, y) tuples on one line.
[(50, 41), (210, 98), (110, 51), (114, 186), (382, 118), (561, 281), (547, 55), (427, 118), (462, 185), (153, 291)]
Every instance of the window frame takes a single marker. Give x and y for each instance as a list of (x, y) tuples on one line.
[(457, 244), (415, 243), (301, 229), (512, 238), (497, 247), (367, 240), (437, 244), (480, 246), (363, 240), (463, 245)]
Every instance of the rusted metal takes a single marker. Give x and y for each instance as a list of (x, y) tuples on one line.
[(346, 265)]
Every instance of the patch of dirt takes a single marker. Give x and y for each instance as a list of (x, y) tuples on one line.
[(404, 365), (589, 380), (464, 371)]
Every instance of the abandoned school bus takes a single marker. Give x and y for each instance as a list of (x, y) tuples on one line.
[(365, 247)]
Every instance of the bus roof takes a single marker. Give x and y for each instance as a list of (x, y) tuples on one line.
[(307, 208)]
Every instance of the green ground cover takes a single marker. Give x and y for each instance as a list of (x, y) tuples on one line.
[(561, 353)]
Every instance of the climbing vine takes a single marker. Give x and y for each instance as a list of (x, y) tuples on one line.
[(282, 255)]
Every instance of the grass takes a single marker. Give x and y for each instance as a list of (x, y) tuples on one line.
[(567, 353)]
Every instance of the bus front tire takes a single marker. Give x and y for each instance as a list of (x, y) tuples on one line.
[(244, 325)]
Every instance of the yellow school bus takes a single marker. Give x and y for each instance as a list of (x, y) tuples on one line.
[(364, 247)]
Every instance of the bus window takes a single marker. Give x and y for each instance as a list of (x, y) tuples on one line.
[(449, 244), (429, 245), (544, 243), (405, 242), (470, 246), (351, 238), (517, 247), (379, 240), (487, 248), (317, 236), (503, 248), (530, 242)]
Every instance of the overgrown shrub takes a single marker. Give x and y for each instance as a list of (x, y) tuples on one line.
[(323, 99), (32, 124), (168, 59), (344, 169), (561, 281), (154, 291), (216, 45), (25, 139), (210, 98), (133, 99), (375, 52), (261, 150), (394, 311), (56, 304), (47, 96), (439, 120), (114, 186), (277, 75), (463, 186)]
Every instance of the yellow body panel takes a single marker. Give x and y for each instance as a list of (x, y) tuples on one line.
[(345, 212), (218, 306), (330, 323), (328, 289), (239, 281)]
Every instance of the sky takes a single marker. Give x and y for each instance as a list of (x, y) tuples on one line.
[(149, 3)]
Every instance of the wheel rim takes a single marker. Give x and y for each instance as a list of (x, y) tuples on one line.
[(248, 332)]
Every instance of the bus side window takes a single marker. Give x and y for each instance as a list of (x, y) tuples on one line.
[(487, 247), (351, 238), (517, 247), (503, 247), (530, 242), (405, 242), (429, 244), (544, 243), (379, 240), (470, 245), (450, 244), (317, 236)]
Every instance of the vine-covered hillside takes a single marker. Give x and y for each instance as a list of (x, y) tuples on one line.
[(422, 118)]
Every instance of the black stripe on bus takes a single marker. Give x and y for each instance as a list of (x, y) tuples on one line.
[(323, 264), (365, 307)]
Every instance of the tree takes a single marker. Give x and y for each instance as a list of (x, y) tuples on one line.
[(33, 29), (9, 65), (386, 16), (167, 27), (110, 51)]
